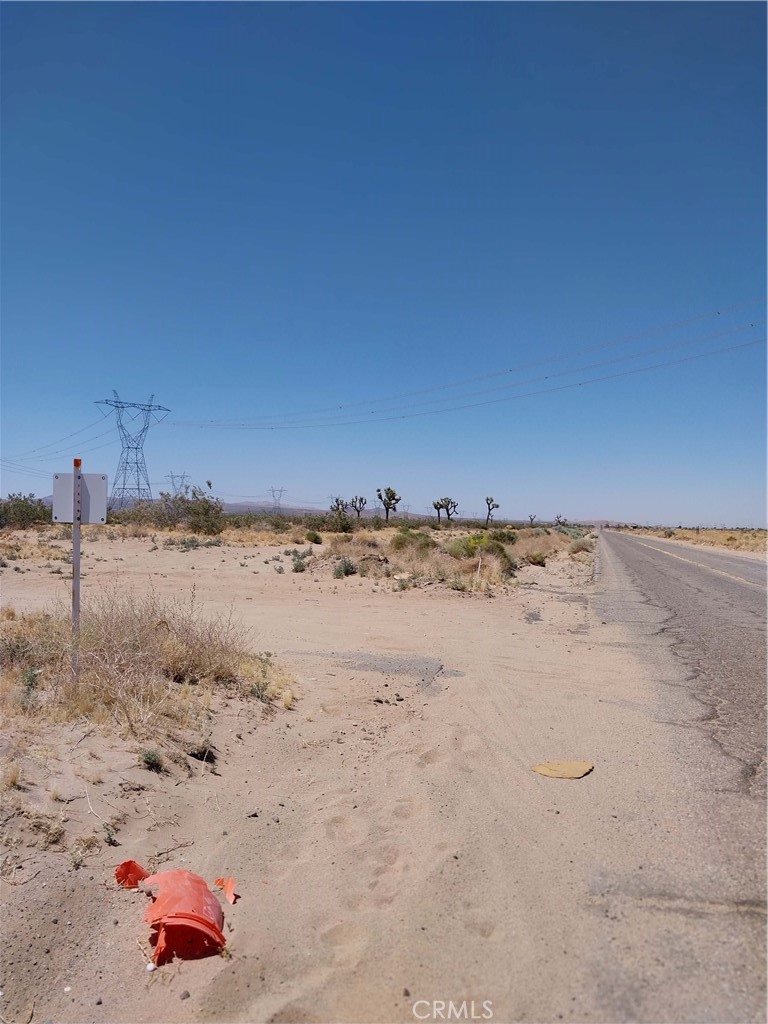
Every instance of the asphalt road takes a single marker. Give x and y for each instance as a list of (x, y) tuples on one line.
[(695, 619), (714, 606)]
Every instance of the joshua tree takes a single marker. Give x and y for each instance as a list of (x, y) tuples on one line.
[(339, 506), (491, 506), (447, 505), (390, 499), (559, 521), (531, 519), (450, 507), (358, 504)]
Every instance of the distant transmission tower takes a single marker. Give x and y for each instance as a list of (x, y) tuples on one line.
[(131, 482), (277, 497), (178, 483)]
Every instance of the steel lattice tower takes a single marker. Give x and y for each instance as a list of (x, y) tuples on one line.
[(131, 482)]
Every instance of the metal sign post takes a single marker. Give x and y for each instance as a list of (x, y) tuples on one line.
[(77, 515), (79, 499)]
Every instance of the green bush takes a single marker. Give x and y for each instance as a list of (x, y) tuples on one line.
[(478, 544), (503, 535), (339, 522), (152, 760), (344, 567), (194, 510), (536, 558), (314, 537), (205, 515), (22, 510), (408, 538)]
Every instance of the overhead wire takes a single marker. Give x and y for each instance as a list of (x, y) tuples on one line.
[(379, 400), (21, 464), (549, 376), (50, 456), (507, 398), (21, 470), (82, 430)]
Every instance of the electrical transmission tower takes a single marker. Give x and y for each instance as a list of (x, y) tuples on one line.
[(131, 482), (277, 497), (178, 483)]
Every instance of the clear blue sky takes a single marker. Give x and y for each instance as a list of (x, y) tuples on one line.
[(268, 210)]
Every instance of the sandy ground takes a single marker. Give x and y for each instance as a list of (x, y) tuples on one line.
[(402, 851)]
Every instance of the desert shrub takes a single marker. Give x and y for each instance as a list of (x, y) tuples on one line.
[(671, 533), (536, 558), (459, 548), (408, 538), (205, 514), (152, 760), (279, 524), (574, 532), (314, 537), (193, 509), (344, 567), (146, 665), (480, 544), (581, 544), (22, 510), (503, 535), (299, 561), (339, 522)]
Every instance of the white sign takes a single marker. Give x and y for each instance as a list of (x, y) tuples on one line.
[(93, 498)]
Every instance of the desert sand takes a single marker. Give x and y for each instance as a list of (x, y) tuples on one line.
[(391, 845)]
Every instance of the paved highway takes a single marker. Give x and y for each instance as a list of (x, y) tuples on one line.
[(715, 605), (695, 620)]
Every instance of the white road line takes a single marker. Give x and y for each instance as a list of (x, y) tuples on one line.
[(702, 565)]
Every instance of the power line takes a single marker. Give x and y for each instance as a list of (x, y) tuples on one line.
[(82, 430), (376, 414), (507, 398), (49, 457), (21, 470), (620, 340)]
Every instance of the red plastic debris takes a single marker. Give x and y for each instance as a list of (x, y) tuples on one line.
[(129, 874), (228, 885), (186, 917)]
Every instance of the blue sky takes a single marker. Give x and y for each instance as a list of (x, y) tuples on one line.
[(260, 211)]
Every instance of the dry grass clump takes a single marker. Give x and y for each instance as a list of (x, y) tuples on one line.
[(461, 559), (470, 562), (541, 540), (736, 539), (581, 544), (145, 665), (247, 537), (12, 775), (20, 549)]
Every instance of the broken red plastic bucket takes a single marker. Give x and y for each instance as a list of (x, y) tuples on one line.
[(186, 916)]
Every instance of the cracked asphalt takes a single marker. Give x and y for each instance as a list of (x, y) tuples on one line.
[(696, 620), (714, 617)]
